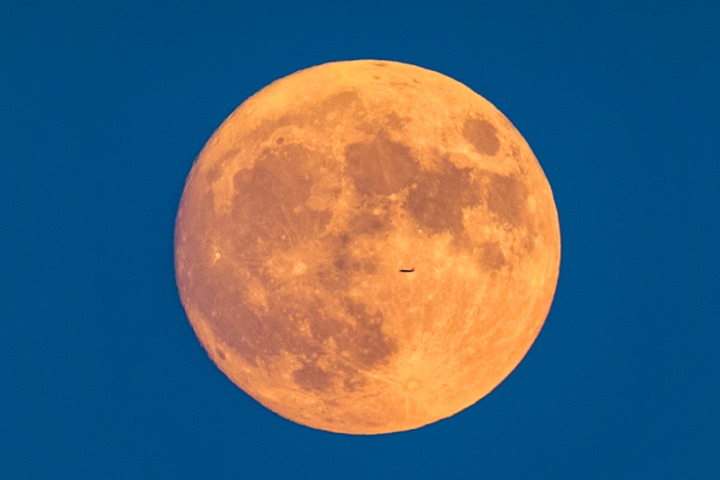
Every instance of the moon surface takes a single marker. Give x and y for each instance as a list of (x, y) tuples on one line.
[(367, 247)]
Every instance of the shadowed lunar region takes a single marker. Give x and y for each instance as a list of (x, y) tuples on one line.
[(367, 247)]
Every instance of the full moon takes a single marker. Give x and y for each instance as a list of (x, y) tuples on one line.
[(367, 247)]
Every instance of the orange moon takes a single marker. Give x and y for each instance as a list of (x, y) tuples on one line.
[(367, 247)]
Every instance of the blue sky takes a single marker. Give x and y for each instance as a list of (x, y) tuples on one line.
[(105, 106)]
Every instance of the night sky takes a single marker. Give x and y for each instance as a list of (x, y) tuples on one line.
[(104, 107)]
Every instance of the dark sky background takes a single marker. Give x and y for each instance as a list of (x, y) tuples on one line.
[(105, 105)]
